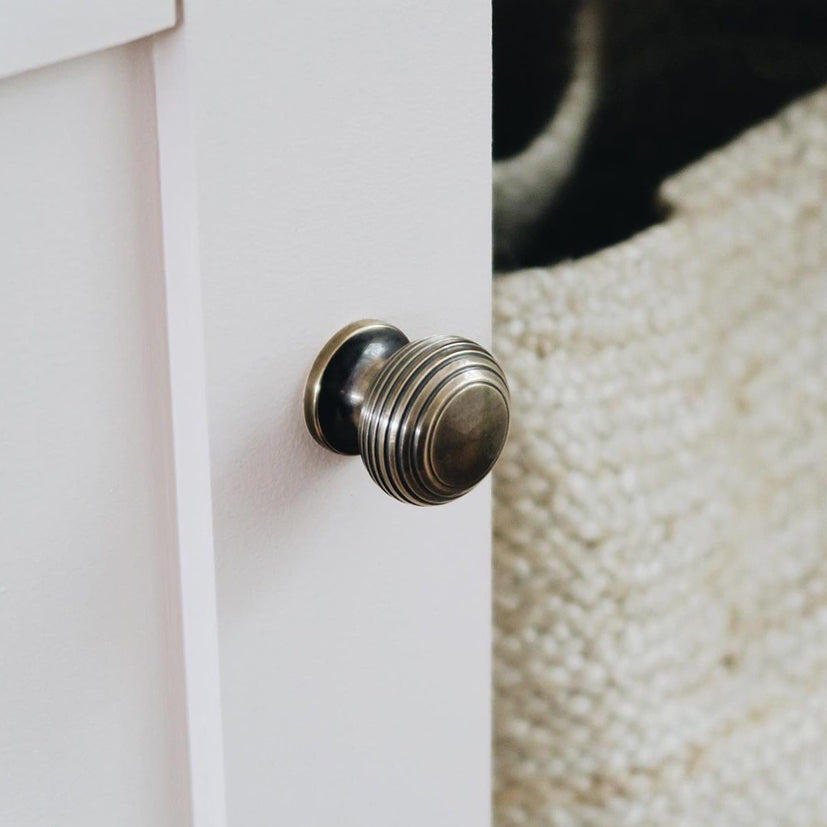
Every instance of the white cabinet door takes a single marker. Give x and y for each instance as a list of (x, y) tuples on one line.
[(342, 157), (317, 163), (90, 650)]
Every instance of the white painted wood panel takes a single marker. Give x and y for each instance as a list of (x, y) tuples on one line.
[(90, 695), (343, 171), (185, 335), (39, 32)]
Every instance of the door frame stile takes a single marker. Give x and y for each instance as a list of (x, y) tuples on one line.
[(191, 457)]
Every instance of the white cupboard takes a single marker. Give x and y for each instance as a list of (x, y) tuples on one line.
[(205, 618)]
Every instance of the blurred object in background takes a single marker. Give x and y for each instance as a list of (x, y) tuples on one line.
[(596, 102)]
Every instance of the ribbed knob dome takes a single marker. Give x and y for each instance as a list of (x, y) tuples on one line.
[(435, 420)]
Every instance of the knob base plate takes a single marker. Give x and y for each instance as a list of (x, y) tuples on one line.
[(340, 378)]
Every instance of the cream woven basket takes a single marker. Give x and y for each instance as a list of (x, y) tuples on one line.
[(661, 508)]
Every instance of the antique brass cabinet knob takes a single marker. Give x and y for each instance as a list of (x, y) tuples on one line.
[(429, 418)]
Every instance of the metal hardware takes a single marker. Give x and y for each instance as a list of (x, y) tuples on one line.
[(429, 418)]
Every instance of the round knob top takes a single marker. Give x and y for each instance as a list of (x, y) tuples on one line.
[(429, 417)]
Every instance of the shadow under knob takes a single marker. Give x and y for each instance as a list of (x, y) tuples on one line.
[(429, 418)]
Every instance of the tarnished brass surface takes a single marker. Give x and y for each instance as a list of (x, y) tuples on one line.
[(429, 418)]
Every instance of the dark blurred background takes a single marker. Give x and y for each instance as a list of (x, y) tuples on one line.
[(677, 78)]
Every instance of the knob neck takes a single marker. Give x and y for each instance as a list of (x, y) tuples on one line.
[(341, 378)]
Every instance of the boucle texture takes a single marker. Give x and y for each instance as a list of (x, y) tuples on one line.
[(661, 508)]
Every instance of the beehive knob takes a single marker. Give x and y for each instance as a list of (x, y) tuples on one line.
[(429, 418)]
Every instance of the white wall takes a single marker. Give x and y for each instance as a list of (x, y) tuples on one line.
[(88, 656)]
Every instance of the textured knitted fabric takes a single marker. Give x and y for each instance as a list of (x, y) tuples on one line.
[(661, 508)]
